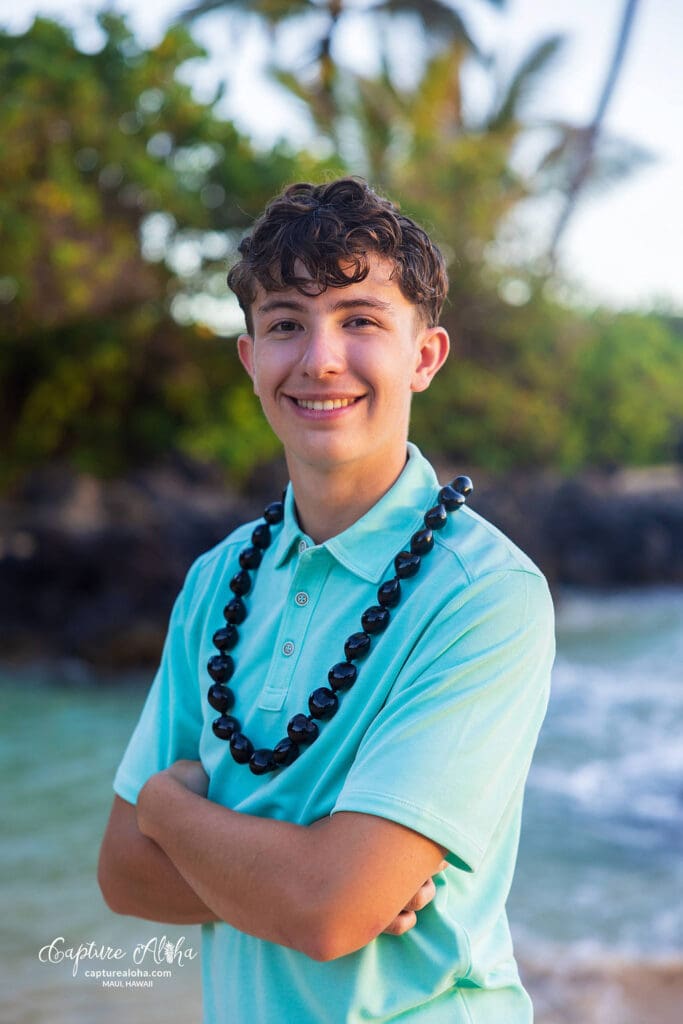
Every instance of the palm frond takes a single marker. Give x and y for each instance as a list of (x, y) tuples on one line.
[(436, 18), (525, 81), (316, 100), (613, 159), (272, 11), (436, 106)]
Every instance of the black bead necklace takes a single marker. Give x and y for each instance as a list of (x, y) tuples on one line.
[(323, 703)]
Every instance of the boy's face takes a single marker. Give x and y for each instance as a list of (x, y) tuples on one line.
[(335, 372)]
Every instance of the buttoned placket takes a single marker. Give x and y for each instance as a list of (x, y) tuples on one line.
[(312, 569)]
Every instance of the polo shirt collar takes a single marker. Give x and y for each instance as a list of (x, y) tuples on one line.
[(368, 546)]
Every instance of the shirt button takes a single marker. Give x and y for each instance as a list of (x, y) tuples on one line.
[(302, 546), (288, 648), (301, 598)]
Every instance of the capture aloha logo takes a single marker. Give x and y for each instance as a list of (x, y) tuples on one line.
[(145, 957)]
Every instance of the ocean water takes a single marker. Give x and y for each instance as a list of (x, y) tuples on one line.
[(600, 869), (62, 735)]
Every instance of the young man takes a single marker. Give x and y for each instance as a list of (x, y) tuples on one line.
[(376, 659)]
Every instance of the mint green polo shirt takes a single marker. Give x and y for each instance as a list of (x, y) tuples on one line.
[(437, 734)]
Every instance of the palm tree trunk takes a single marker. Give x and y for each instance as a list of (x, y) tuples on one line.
[(592, 132)]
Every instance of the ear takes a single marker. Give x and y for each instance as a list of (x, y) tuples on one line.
[(433, 348), (245, 350)]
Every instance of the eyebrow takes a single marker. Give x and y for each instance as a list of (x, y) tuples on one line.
[(362, 302)]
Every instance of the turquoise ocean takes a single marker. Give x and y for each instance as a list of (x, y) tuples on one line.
[(600, 872)]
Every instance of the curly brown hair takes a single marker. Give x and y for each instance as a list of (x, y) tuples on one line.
[(330, 230)]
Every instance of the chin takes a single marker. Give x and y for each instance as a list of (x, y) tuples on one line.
[(327, 456)]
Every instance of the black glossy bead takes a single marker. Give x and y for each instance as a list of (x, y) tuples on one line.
[(274, 512), (250, 558), (452, 499), (375, 619), (323, 703), (261, 538), (285, 752), (226, 638), (261, 761), (463, 485), (225, 726), (220, 697), (389, 594), (240, 584), (357, 646), (235, 611), (407, 564), (342, 676), (422, 542), (241, 748), (301, 729), (220, 668), (437, 517)]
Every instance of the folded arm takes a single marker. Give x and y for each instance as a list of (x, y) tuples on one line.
[(137, 878), (325, 890)]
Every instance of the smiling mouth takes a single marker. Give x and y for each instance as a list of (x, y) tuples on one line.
[(325, 405)]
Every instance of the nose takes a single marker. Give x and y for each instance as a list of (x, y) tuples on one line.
[(324, 354)]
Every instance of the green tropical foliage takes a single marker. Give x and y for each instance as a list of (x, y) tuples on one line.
[(626, 402), (120, 195), (122, 199)]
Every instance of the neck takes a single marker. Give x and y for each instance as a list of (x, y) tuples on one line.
[(327, 503)]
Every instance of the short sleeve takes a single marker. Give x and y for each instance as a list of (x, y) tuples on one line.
[(452, 745), (170, 724)]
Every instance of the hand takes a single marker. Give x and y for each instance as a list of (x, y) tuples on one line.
[(191, 775), (407, 918)]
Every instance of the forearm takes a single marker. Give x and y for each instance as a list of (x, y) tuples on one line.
[(252, 873), (137, 878)]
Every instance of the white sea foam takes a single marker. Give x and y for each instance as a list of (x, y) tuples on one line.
[(603, 827)]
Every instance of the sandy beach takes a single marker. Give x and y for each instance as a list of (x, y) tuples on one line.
[(613, 992)]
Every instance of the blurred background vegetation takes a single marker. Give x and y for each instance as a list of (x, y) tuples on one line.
[(123, 197)]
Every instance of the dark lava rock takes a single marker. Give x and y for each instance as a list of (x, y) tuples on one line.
[(623, 528), (89, 569)]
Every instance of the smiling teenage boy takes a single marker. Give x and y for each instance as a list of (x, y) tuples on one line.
[(351, 688)]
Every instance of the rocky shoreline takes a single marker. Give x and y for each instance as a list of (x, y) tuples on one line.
[(89, 568)]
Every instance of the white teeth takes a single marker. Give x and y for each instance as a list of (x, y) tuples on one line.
[(329, 403)]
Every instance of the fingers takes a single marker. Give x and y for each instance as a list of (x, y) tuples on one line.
[(423, 896), (190, 774), (407, 918), (402, 923)]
